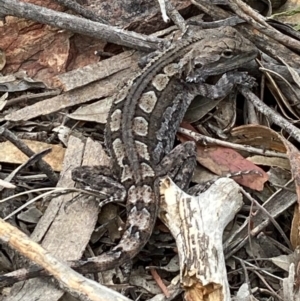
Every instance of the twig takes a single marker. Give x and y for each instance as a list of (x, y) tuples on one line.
[(160, 283), (75, 284), (205, 139), (80, 25), (275, 205), (271, 114), (265, 43), (42, 165), (258, 21), (36, 96), (81, 10), (32, 160)]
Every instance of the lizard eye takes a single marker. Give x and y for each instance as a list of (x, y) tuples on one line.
[(227, 53)]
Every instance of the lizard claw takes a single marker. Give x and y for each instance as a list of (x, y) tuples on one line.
[(249, 82), (194, 79), (242, 78)]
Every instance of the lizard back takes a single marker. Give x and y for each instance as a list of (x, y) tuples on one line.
[(138, 112)]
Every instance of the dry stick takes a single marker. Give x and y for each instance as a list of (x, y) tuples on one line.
[(32, 160), (162, 5), (243, 264), (246, 275), (80, 25), (72, 282), (267, 44), (271, 114), (258, 21), (81, 10), (197, 224), (176, 17), (208, 140), (160, 283), (270, 290), (275, 205), (230, 21), (42, 165), (32, 97)]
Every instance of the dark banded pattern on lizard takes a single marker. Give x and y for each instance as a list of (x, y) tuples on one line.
[(143, 121)]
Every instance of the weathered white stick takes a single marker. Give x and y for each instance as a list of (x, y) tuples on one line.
[(197, 224), (162, 5)]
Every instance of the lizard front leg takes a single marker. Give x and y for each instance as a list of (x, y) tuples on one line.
[(179, 164), (223, 86)]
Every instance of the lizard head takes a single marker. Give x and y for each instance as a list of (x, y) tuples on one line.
[(216, 52)]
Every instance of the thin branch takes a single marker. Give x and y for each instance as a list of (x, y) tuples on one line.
[(80, 25)]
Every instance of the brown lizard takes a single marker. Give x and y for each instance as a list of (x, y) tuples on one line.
[(141, 129)]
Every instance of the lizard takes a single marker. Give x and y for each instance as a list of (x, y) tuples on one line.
[(142, 125), (141, 129)]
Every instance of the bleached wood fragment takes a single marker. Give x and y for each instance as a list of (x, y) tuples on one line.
[(162, 5), (197, 224)]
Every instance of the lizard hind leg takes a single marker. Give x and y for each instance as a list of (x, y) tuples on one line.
[(179, 164), (99, 180)]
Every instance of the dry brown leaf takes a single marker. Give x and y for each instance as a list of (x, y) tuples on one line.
[(11, 154), (223, 161), (270, 161), (294, 156), (259, 136), (95, 112), (273, 141), (294, 236), (288, 13)]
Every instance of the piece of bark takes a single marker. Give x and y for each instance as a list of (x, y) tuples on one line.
[(105, 84), (79, 25), (64, 233), (95, 72), (289, 293), (197, 224), (43, 166), (80, 287)]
